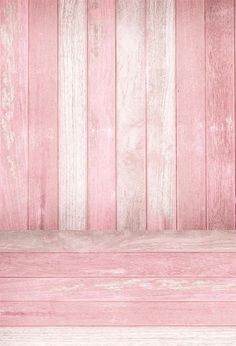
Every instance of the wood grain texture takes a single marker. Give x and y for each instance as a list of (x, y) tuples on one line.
[(72, 37), (190, 85), (118, 314), (43, 170), (101, 115), (118, 336), (121, 289), (131, 105), (161, 141), (13, 114), (160, 241), (136, 265), (220, 114)]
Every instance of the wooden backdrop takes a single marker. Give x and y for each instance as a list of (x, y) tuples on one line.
[(117, 114)]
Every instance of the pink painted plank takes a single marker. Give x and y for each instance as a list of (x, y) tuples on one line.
[(220, 114), (190, 79), (161, 129), (118, 314), (119, 289), (131, 105), (68, 265), (43, 181), (13, 114), (101, 115)]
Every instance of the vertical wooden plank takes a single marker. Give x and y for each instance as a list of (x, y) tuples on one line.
[(43, 181), (73, 113), (161, 142), (13, 113), (131, 104), (220, 114), (190, 84), (101, 115)]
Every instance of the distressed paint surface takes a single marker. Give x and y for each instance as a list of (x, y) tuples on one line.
[(101, 115), (43, 151), (160, 241), (118, 313), (72, 102), (131, 108), (13, 114), (121, 289), (161, 141), (167, 265), (190, 93), (118, 336), (220, 104)]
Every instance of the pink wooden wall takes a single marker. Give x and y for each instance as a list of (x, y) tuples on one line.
[(117, 114)]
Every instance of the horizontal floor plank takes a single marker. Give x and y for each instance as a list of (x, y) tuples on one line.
[(74, 241), (117, 336), (104, 289), (118, 314), (68, 265)]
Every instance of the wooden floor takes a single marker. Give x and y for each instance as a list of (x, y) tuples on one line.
[(176, 288)]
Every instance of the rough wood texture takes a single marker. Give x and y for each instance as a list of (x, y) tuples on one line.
[(43, 172), (69, 265), (101, 115), (161, 241), (161, 141), (73, 113), (131, 104), (102, 336), (13, 114), (220, 114), (121, 289), (118, 313), (190, 85)]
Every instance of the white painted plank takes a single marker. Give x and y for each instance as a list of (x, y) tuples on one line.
[(73, 113), (145, 336)]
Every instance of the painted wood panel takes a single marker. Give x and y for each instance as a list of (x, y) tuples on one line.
[(118, 314), (69, 265), (160, 241), (121, 289), (220, 114), (160, 103), (72, 102), (101, 115), (13, 114), (190, 93), (43, 142), (131, 115), (118, 336)]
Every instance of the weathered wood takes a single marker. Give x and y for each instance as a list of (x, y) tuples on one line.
[(161, 141), (161, 241), (101, 115), (72, 36), (43, 151), (220, 105), (190, 85), (121, 289), (68, 265), (13, 114), (118, 314), (131, 105), (115, 336)]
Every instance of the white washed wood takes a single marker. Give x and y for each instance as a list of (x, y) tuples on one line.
[(86, 241), (142, 336), (161, 141), (73, 113), (131, 102)]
